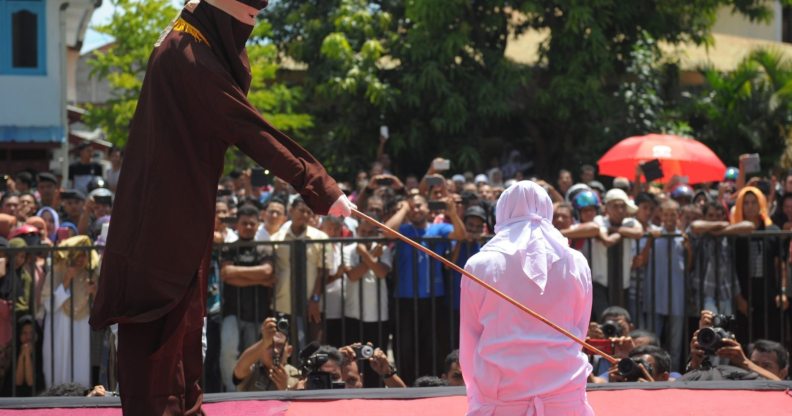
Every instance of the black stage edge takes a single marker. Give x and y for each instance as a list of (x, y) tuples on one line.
[(388, 394)]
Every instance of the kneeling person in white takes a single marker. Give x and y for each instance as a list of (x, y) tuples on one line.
[(512, 363)]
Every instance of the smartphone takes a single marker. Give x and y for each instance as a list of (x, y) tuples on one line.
[(604, 345), (652, 170), (229, 220), (441, 164), (258, 177), (752, 163), (384, 181), (434, 181), (437, 205), (384, 132)]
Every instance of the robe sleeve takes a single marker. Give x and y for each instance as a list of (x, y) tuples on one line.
[(240, 124)]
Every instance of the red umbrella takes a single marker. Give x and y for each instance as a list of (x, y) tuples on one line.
[(680, 156)]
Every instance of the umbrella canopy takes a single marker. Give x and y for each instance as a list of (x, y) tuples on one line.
[(679, 156)]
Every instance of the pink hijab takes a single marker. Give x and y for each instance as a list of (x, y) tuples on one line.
[(524, 228)]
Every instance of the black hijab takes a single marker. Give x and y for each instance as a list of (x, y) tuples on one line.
[(227, 37)]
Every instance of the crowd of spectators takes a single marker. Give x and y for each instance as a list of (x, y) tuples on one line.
[(673, 255)]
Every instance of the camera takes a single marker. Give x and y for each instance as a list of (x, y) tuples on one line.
[(711, 339), (282, 324), (363, 352), (611, 329), (630, 368), (316, 379)]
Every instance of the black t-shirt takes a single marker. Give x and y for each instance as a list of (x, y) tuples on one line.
[(250, 303)]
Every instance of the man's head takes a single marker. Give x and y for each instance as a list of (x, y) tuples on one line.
[(84, 152), (714, 211), (646, 203), (642, 337), (275, 213), (47, 188), (564, 180), (221, 213), (657, 358), (453, 373), (350, 373), (375, 204), (300, 214), (24, 181), (475, 218), (280, 348), (333, 364), (586, 173), (670, 214), (247, 222), (332, 226), (562, 215), (27, 205), (9, 204), (771, 356), (419, 210), (73, 202), (620, 316), (617, 205)]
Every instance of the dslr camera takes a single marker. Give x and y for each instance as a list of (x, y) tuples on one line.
[(611, 329), (630, 369), (711, 339), (311, 362)]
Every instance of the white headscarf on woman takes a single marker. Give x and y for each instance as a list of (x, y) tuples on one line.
[(524, 227)]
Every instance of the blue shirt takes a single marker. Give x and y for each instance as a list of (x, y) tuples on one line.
[(466, 251), (407, 257), (658, 264)]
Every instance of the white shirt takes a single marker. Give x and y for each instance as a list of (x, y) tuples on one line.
[(283, 264), (508, 356), (334, 308), (369, 284)]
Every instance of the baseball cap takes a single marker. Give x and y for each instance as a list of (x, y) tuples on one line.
[(73, 194), (47, 177), (476, 211)]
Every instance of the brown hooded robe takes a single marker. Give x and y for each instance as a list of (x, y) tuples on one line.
[(192, 107)]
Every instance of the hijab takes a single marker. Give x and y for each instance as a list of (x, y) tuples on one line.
[(737, 215), (53, 234), (524, 228)]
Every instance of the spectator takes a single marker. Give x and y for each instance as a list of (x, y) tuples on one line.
[(24, 182), (563, 220), (657, 362), (47, 188), (69, 290), (564, 181), (247, 275), (51, 220), (617, 229), (264, 366), (429, 381), (82, 171), (475, 220), (760, 272), (25, 371), (771, 356), (587, 173), (112, 174), (366, 296), (782, 217), (73, 203), (336, 331), (647, 205), (96, 211), (273, 219), (662, 261), (730, 350), (319, 261), (9, 204), (453, 372), (27, 206), (332, 366), (418, 281)]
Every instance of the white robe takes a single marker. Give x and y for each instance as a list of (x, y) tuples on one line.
[(514, 364), (58, 334)]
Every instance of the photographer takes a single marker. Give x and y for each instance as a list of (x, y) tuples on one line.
[(320, 367), (727, 348), (655, 360), (263, 366), (377, 359)]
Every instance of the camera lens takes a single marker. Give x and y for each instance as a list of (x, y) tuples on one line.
[(708, 339), (610, 329), (366, 352), (283, 325)]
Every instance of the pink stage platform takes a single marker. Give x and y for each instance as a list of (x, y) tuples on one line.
[(628, 399)]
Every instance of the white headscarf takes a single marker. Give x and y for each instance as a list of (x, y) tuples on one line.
[(524, 228)]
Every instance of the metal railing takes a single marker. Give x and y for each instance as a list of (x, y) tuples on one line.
[(419, 297)]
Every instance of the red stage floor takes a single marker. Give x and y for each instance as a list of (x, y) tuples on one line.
[(630, 402)]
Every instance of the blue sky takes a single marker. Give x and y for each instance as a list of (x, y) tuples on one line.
[(94, 40)]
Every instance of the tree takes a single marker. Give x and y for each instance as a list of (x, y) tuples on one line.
[(136, 25), (747, 110)]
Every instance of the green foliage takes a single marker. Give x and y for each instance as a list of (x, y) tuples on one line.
[(136, 25), (748, 110)]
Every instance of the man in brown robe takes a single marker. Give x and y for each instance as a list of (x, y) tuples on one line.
[(192, 107)]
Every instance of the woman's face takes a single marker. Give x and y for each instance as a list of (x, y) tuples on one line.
[(49, 221), (751, 207), (26, 335), (80, 261)]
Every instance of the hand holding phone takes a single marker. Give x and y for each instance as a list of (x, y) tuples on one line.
[(441, 164), (384, 132)]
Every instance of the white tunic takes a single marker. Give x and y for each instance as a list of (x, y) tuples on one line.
[(512, 363), (66, 339)]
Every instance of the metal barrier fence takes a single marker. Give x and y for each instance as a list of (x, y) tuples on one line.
[(409, 308)]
